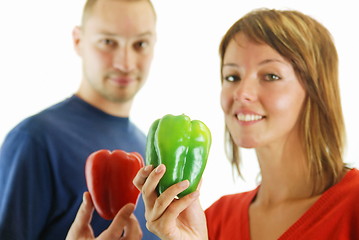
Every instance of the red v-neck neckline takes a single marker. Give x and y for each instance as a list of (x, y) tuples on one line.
[(317, 205), (307, 215)]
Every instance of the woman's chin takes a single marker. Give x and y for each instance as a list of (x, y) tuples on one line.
[(247, 144)]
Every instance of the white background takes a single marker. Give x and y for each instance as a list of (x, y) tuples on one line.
[(38, 68)]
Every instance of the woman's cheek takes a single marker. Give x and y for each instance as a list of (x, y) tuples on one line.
[(225, 101), (289, 104)]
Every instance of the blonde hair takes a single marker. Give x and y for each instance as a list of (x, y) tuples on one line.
[(308, 45)]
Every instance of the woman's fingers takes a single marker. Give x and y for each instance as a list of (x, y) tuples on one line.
[(141, 176), (149, 192), (167, 197), (149, 187), (147, 180), (167, 215), (167, 223), (170, 205)]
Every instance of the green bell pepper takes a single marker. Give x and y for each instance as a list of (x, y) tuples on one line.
[(182, 146)]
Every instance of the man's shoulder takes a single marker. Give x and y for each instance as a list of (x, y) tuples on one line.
[(36, 123)]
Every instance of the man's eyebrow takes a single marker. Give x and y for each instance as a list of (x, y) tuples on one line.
[(148, 33), (110, 34)]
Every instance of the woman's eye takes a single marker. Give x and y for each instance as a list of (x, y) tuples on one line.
[(271, 77), (231, 78)]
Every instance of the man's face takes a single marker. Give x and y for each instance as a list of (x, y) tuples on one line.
[(116, 45)]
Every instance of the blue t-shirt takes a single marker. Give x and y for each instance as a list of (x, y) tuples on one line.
[(42, 162)]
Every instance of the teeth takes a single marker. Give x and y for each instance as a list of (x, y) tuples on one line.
[(248, 117)]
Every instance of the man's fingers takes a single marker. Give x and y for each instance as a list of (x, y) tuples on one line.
[(122, 218), (132, 229), (123, 221), (84, 214), (81, 225)]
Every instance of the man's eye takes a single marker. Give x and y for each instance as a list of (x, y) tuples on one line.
[(231, 78), (108, 42), (141, 45), (271, 77)]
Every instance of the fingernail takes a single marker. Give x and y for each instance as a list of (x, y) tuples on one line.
[(130, 209), (84, 199), (184, 184), (160, 168), (147, 168), (195, 194)]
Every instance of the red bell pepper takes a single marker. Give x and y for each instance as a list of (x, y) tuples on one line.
[(109, 178)]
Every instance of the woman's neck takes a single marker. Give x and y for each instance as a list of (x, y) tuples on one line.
[(285, 173)]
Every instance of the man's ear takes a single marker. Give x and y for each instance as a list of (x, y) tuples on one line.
[(76, 39)]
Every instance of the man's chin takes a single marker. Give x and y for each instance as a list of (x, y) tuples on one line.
[(120, 99)]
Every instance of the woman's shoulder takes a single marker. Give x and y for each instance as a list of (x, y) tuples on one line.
[(350, 179), (228, 202), (345, 192), (224, 215)]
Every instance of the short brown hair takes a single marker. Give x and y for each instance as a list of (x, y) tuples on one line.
[(308, 45), (90, 3)]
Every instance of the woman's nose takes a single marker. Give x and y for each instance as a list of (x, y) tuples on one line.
[(245, 90)]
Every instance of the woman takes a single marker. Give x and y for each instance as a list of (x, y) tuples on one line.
[(280, 95)]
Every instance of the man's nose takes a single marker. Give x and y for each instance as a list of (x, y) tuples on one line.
[(124, 59)]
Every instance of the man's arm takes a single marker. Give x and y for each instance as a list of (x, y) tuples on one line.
[(24, 187)]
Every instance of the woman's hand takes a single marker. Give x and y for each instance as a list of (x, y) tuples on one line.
[(168, 217), (123, 226)]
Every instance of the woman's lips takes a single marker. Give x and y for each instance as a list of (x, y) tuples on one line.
[(249, 118)]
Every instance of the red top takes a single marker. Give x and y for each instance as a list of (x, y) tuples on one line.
[(335, 215)]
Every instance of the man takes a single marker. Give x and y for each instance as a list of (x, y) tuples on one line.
[(42, 159)]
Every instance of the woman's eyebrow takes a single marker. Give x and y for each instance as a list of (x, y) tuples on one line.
[(230, 65), (271, 60)]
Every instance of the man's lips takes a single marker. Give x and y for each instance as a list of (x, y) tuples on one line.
[(122, 80)]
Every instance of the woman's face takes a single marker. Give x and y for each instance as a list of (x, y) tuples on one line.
[(261, 96)]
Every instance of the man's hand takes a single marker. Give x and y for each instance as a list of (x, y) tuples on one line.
[(124, 225)]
